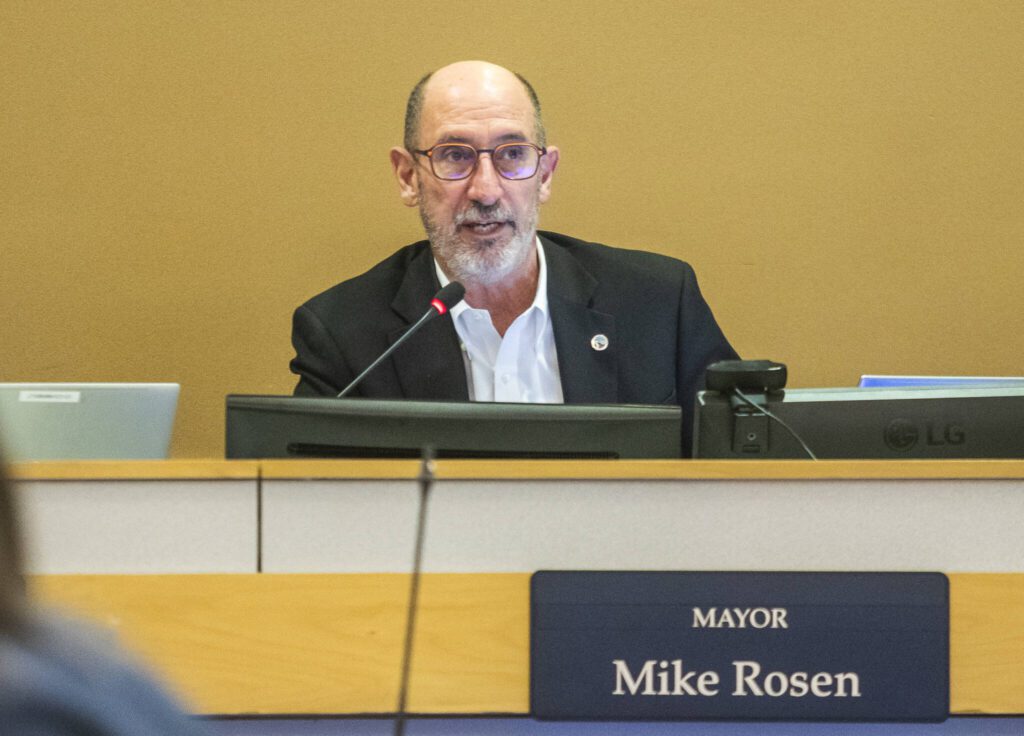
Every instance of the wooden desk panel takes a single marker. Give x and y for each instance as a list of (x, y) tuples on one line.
[(523, 469), (332, 643)]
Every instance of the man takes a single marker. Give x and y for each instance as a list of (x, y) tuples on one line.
[(546, 317)]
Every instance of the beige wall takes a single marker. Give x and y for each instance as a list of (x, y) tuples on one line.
[(175, 177)]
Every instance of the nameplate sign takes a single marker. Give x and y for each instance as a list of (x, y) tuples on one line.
[(739, 646)]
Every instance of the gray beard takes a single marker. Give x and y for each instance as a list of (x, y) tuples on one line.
[(484, 261)]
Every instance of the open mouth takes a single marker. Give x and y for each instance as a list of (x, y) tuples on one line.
[(484, 228)]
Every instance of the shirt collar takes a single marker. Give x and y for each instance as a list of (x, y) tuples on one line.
[(540, 299)]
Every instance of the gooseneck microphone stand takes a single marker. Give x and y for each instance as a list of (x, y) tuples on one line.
[(426, 480)]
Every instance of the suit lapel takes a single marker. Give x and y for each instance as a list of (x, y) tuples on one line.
[(429, 364), (589, 376)]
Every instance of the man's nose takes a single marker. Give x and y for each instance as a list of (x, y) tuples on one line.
[(485, 182)]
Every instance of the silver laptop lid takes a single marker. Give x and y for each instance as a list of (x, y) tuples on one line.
[(87, 421)]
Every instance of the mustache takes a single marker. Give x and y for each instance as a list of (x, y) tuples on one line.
[(496, 212)]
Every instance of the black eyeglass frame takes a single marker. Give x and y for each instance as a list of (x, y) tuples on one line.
[(429, 153)]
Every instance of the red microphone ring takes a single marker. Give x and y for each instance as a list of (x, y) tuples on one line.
[(438, 305)]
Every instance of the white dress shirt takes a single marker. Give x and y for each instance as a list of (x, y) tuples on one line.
[(522, 366)]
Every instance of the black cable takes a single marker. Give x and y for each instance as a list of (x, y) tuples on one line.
[(770, 415)]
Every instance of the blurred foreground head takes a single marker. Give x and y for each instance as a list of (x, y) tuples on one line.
[(12, 584), (61, 679)]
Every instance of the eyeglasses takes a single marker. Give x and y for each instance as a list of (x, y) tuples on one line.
[(455, 161)]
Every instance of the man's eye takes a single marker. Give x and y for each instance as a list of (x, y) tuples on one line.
[(513, 153), (455, 154)]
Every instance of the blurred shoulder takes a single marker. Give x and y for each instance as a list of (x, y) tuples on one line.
[(62, 677)]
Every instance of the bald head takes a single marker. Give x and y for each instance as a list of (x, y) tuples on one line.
[(462, 78)]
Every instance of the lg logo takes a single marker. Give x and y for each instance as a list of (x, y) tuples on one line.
[(902, 435)]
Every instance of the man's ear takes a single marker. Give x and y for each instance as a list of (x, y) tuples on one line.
[(405, 172), (548, 164)]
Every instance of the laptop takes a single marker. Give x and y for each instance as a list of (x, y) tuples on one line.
[(87, 421), (877, 381)]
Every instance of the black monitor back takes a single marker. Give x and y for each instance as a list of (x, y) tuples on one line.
[(879, 423), (289, 427)]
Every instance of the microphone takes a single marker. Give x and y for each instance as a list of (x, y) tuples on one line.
[(443, 300)]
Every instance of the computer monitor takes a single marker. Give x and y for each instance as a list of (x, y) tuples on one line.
[(289, 427), (880, 423), (87, 421)]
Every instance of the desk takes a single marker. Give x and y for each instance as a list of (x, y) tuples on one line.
[(279, 586)]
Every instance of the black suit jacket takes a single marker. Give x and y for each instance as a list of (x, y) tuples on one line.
[(661, 333)]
